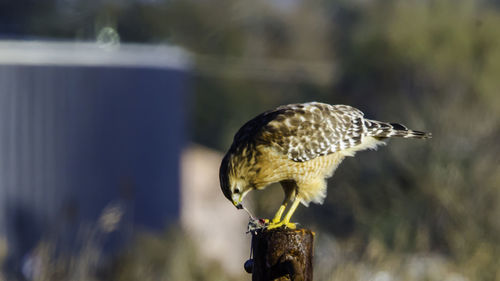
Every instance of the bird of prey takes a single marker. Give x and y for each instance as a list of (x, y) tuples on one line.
[(300, 146)]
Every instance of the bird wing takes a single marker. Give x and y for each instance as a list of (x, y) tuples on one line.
[(306, 131)]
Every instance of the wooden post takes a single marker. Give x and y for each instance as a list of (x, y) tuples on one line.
[(282, 254)]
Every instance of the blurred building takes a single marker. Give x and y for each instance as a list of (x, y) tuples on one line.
[(89, 135)]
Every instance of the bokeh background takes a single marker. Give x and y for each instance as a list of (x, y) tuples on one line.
[(115, 116)]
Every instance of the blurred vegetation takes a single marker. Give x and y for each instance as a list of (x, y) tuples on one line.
[(416, 210), (169, 256)]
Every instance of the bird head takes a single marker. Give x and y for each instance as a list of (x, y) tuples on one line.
[(234, 187)]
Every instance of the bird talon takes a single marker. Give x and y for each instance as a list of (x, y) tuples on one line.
[(281, 224)]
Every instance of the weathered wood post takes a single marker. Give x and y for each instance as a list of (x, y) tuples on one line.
[(282, 254)]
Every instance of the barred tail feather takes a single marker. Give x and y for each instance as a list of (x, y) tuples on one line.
[(384, 130)]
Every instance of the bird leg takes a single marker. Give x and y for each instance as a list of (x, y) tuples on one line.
[(279, 213), (294, 206), (289, 188), (286, 220)]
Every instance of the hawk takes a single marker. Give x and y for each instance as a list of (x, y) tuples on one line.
[(300, 146)]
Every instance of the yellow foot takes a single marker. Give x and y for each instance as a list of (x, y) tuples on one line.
[(280, 224)]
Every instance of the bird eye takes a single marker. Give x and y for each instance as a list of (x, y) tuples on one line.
[(236, 190)]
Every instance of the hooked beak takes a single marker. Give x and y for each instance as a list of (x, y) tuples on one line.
[(237, 198), (237, 201)]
